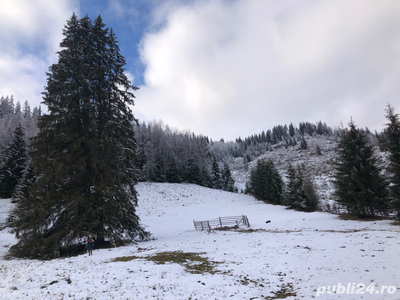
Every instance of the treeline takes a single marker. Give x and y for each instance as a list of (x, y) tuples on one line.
[(165, 155), (284, 133), (13, 115), (289, 135), (17, 125)]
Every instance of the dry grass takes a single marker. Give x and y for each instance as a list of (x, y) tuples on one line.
[(193, 263), (286, 290), (349, 217)]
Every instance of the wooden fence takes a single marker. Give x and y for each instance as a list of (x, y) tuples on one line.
[(221, 222)]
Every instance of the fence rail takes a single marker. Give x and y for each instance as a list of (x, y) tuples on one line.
[(221, 222)]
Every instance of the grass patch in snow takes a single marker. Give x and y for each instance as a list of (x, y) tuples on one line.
[(349, 217), (125, 258), (192, 262), (285, 291)]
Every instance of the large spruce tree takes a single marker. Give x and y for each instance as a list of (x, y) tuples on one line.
[(392, 134), (84, 154), (358, 182)]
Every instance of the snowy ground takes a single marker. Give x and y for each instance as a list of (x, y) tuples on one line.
[(297, 254)]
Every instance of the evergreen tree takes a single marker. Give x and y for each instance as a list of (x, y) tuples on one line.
[(158, 171), (228, 184), (193, 172), (291, 130), (22, 189), (392, 144), (265, 182), (257, 180), (300, 192), (358, 182), (274, 187), (216, 174), (291, 196), (303, 143), (268, 136), (172, 174), (6, 106), (308, 197), (14, 164), (26, 110), (84, 153)]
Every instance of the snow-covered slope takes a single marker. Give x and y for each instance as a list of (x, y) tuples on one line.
[(320, 165), (293, 255)]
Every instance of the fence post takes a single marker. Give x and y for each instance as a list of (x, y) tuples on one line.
[(247, 221), (220, 222)]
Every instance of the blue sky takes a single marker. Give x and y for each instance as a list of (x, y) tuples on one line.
[(225, 68), (130, 20)]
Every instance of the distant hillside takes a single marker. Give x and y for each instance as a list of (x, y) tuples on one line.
[(319, 164)]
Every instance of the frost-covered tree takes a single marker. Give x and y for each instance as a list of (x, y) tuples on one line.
[(291, 130), (15, 160), (359, 184), (84, 154), (11, 117), (26, 110), (303, 143), (6, 106)]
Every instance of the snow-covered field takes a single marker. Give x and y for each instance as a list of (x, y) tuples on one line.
[(297, 255)]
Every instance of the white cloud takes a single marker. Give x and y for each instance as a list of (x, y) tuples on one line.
[(230, 68), (30, 34)]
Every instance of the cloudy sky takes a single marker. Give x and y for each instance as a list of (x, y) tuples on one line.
[(225, 68)]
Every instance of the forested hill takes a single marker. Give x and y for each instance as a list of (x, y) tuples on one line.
[(170, 155), (311, 145)]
